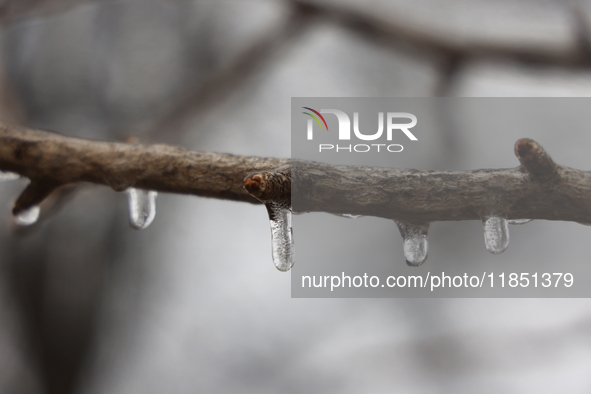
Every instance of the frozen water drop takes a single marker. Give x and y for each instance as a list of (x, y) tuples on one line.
[(414, 242), (28, 216), (347, 215), (496, 234), (350, 216), (142, 207), (519, 221), (281, 234), (8, 176)]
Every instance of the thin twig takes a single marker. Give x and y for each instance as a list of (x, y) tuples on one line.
[(12, 11), (398, 27), (251, 61)]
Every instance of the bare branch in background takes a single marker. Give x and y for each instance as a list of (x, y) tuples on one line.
[(11, 11), (444, 44), (252, 60), (538, 189)]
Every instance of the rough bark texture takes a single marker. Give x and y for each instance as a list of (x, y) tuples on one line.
[(426, 196), (51, 160), (538, 189)]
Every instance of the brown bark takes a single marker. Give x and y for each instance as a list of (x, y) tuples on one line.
[(538, 189), (52, 159)]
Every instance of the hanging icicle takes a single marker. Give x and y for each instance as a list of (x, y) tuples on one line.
[(496, 233), (142, 207), (414, 242), (274, 190), (281, 235), (6, 176), (28, 217)]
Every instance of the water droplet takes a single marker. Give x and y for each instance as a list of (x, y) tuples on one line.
[(350, 216), (8, 176), (281, 234), (346, 215), (28, 216), (496, 234), (414, 242), (142, 207), (519, 221)]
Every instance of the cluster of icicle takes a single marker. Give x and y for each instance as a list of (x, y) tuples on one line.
[(142, 211), (141, 204), (414, 237)]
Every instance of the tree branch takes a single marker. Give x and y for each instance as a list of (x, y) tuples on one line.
[(425, 196), (11, 11), (52, 159), (537, 189), (385, 25)]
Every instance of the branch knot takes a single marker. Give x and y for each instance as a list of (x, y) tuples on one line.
[(536, 161)]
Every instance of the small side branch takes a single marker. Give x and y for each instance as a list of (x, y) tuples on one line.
[(34, 194), (536, 161), (538, 189)]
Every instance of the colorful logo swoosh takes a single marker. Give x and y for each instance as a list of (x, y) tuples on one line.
[(315, 118)]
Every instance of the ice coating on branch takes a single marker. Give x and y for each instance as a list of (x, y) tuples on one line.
[(519, 221), (414, 242), (496, 233), (350, 216), (142, 207), (281, 234), (8, 176), (346, 215), (28, 216)]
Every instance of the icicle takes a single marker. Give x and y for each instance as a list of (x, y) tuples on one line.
[(496, 233), (142, 207), (414, 244), (519, 221), (274, 190), (281, 234), (8, 176), (28, 217)]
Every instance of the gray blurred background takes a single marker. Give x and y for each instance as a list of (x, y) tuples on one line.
[(193, 303)]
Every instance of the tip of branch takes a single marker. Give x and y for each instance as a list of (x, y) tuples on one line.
[(536, 161), (33, 195)]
